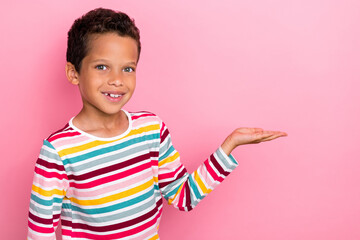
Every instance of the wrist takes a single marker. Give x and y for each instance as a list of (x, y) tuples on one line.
[(227, 146)]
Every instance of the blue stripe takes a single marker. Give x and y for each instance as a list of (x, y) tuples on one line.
[(173, 192), (168, 152), (193, 186), (221, 156), (45, 202), (48, 144), (233, 159), (110, 148), (115, 207)]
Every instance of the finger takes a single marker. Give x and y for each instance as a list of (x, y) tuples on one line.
[(276, 133), (258, 130), (258, 137), (281, 134), (265, 134), (244, 130), (269, 138), (272, 137), (253, 130)]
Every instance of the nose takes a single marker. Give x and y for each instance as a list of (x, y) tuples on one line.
[(116, 78)]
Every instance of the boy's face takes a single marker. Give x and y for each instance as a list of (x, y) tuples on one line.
[(108, 73)]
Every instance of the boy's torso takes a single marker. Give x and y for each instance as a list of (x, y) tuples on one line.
[(113, 183)]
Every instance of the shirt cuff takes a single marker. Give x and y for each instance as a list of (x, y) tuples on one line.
[(228, 161)]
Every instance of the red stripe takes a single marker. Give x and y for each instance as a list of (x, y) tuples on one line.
[(50, 174), (163, 126), (217, 166), (188, 197), (181, 198), (164, 135), (62, 129), (40, 229), (111, 178), (113, 168), (164, 184), (212, 172), (43, 220), (116, 227), (62, 135), (50, 165), (170, 174), (147, 114), (122, 234)]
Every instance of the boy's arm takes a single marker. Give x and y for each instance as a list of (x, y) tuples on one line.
[(184, 190), (48, 190)]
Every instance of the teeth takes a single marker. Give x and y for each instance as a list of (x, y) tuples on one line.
[(112, 95)]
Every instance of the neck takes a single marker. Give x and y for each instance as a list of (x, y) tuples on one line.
[(91, 121)]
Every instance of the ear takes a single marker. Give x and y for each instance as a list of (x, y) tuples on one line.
[(71, 73)]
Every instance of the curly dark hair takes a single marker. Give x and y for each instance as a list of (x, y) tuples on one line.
[(97, 21)]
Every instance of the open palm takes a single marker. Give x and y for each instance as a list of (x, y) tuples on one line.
[(243, 136)]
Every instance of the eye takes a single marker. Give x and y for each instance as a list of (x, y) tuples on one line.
[(101, 67), (129, 69)]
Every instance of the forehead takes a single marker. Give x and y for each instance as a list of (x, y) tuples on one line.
[(112, 45)]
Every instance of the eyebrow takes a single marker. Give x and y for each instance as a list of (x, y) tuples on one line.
[(104, 60)]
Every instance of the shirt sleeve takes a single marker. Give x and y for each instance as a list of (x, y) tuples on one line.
[(48, 190), (181, 189)]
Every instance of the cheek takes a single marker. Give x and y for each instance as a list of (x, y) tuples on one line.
[(134, 84)]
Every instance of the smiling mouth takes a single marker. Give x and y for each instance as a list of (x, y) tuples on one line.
[(112, 95)]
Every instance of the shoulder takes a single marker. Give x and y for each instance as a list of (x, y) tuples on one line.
[(141, 114), (50, 144), (144, 116), (64, 132)]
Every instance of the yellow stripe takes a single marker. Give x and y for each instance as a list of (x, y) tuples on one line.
[(154, 237), (169, 159), (47, 193), (99, 142), (156, 179), (177, 193), (200, 183), (115, 196)]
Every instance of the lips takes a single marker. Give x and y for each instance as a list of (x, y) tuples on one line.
[(113, 96)]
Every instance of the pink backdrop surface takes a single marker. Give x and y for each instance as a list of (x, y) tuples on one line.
[(206, 68)]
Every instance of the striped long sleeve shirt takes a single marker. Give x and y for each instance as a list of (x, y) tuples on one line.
[(112, 188)]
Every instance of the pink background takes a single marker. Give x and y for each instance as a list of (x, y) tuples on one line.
[(206, 68)]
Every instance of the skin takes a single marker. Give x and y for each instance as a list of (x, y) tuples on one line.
[(242, 136), (110, 67)]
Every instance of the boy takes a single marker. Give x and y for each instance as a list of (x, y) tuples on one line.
[(106, 171)]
